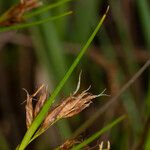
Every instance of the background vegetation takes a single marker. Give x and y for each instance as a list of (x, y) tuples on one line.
[(42, 54)]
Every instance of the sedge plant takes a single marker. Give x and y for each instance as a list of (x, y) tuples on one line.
[(11, 21), (44, 110)]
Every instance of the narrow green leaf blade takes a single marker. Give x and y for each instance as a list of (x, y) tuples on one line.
[(45, 8), (26, 25), (97, 134)]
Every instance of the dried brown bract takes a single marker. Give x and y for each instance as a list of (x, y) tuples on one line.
[(15, 14), (52, 117), (30, 111), (76, 103), (41, 101)]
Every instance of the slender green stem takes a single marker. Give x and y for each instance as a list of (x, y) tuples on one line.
[(45, 8), (21, 26), (39, 132), (38, 120)]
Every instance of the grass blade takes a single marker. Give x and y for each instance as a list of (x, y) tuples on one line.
[(97, 134), (45, 8)]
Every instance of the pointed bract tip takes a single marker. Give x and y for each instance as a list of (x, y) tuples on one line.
[(107, 9)]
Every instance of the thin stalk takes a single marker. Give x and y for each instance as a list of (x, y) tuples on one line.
[(45, 8), (26, 25), (38, 120)]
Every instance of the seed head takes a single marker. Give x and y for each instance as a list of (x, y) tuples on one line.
[(41, 101), (16, 13), (69, 107), (30, 112)]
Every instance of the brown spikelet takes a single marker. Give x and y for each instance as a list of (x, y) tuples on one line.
[(15, 14), (29, 107), (29, 110), (52, 116), (69, 107), (41, 101), (77, 103)]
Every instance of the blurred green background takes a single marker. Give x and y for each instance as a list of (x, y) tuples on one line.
[(42, 54)]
